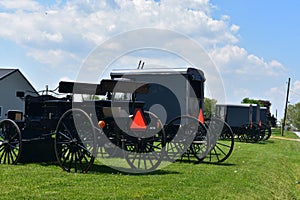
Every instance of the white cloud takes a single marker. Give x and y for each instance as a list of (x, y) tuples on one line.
[(296, 86), (55, 58), (78, 25), (54, 37), (234, 28), (27, 5), (295, 92), (237, 61), (190, 17), (61, 34)]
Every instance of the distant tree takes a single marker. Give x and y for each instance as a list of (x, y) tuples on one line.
[(209, 107), (293, 116), (252, 101)]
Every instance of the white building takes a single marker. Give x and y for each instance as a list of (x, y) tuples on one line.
[(11, 81)]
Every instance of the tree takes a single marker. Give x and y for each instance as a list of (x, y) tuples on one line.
[(252, 101), (209, 107), (293, 116)]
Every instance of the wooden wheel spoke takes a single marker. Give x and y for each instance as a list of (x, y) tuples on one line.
[(150, 160), (81, 165), (14, 153), (66, 158), (222, 144), (134, 157), (65, 136), (217, 155), (3, 153), (64, 142), (139, 161), (12, 146), (145, 161), (12, 156), (221, 150), (71, 161)]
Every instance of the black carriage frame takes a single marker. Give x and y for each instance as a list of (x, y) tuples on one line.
[(59, 129)]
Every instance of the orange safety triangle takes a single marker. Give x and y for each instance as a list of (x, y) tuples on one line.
[(201, 116), (138, 122)]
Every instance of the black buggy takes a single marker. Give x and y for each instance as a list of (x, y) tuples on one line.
[(141, 119), (176, 96), (73, 132), (248, 122)]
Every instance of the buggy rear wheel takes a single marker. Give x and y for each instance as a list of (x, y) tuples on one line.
[(252, 133), (224, 144), (267, 131), (144, 150), (10, 142), (185, 132), (202, 142), (75, 141)]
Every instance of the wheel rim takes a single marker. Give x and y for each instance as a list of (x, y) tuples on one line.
[(199, 145), (74, 145), (10, 142), (268, 132), (144, 154), (181, 133), (224, 144)]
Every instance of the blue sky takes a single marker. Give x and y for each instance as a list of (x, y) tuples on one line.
[(254, 44), (267, 28)]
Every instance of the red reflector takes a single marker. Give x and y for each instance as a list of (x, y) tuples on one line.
[(101, 124), (138, 122), (201, 116)]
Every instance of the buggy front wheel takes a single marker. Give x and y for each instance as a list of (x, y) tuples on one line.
[(10, 142), (145, 150), (75, 141), (224, 143)]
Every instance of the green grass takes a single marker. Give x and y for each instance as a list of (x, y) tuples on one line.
[(287, 134), (267, 170)]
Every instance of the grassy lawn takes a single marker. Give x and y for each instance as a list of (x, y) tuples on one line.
[(267, 170)]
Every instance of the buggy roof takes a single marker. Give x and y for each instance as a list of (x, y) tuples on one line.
[(235, 105), (195, 74), (240, 105), (106, 85)]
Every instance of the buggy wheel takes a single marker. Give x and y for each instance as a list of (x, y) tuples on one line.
[(144, 150), (10, 142), (181, 132), (203, 142), (224, 144), (252, 133), (268, 132), (75, 141)]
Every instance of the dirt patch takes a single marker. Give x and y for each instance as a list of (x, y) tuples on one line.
[(283, 138)]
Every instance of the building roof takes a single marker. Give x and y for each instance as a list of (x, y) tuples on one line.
[(4, 72)]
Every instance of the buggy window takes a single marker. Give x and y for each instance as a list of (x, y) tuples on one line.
[(120, 96)]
